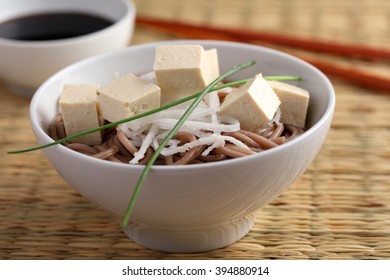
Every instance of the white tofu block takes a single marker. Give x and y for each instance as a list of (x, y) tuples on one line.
[(212, 57), (127, 96), (254, 104), (182, 70), (294, 103), (79, 112)]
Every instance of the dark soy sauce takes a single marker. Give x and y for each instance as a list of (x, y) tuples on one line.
[(52, 26)]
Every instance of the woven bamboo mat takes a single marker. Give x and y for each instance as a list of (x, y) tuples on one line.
[(339, 209)]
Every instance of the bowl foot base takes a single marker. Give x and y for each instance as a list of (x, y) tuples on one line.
[(190, 239)]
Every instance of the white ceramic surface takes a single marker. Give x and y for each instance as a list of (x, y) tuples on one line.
[(198, 207), (25, 65)]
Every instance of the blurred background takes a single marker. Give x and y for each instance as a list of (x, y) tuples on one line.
[(362, 21)]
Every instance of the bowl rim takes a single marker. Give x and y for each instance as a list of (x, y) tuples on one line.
[(129, 15), (325, 118)]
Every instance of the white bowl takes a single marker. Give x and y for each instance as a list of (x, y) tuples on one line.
[(25, 65), (188, 208)]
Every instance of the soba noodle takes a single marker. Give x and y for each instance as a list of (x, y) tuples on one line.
[(206, 137), (118, 147)]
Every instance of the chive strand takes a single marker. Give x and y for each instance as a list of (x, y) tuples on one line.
[(132, 118), (282, 78), (171, 133), (144, 114)]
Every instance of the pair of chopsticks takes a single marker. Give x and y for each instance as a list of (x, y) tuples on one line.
[(347, 73)]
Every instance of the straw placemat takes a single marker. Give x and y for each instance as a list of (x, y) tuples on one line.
[(339, 209)]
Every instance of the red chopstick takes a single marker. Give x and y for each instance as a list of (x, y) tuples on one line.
[(350, 74), (350, 50)]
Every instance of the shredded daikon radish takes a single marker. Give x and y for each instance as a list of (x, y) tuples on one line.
[(177, 113), (226, 90), (168, 124), (213, 102), (212, 147), (204, 123), (136, 133), (145, 145), (171, 143), (149, 77), (201, 114), (214, 139), (276, 118), (210, 140)]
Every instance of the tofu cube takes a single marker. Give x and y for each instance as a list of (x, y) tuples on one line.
[(79, 112), (127, 96), (254, 104), (294, 103), (182, 70), (212, 57)]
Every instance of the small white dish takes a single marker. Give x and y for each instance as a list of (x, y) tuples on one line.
[(188, 208), (25, 65)]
